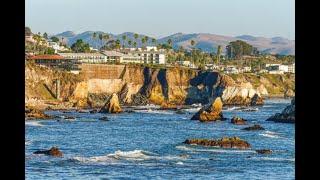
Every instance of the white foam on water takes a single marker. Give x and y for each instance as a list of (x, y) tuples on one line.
[(27, 142), (180, 163), (132, 155), (273, 159), (192, 109), (117, 156), (151, 111), (186, 148), (33, 123), (269, 135)]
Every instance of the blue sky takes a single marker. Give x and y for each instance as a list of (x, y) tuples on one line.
[(158, 18)]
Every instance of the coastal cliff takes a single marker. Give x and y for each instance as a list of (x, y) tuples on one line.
[(138, 85)]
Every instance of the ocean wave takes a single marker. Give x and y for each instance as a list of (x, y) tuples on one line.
[(154, 111), (27, 142), (192, 110), (135, 155), (272, 159), (270, 134), (33, 123), (186, 148)]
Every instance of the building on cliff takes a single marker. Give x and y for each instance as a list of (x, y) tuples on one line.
[(54, 61)]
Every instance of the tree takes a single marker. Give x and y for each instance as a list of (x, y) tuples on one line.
[(146, 38), (143, 40), (219, 51), (101, 39), (135, 44), (80, 46), (169, 42), (54, 39), (129, 42), (236, 49), (45, 35), (105, 38), (154, 41), (124, 37), (27, 31)]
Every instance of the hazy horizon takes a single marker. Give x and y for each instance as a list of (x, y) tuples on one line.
[(158, 19)]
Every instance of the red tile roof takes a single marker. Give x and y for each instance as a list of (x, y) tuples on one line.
[(47, 57)]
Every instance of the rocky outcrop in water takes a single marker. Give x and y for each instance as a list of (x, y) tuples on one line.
[(225, 142), (112, 105), (286, 116), (255, 127), (289, 93), (264, 151), (238, 121), (54, 151), (32, 113), (212, 112)]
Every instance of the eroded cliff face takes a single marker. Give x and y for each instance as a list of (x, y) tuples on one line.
[(137, 85)]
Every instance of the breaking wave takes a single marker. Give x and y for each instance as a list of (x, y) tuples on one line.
[(273, 159), (270, 134), (33, 123)]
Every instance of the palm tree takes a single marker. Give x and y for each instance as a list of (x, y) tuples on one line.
[(219, 50), (135, 44), (129, 42), (105, 39), (101, 38), (136, 36), (143, 40), (146, 38), (192, 42), (154, 41), (124, 37), (169, 41)]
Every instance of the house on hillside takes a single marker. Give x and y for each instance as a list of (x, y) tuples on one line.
[(85, 57), (55, 61)]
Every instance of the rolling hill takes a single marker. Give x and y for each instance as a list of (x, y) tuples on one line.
[(205, 41)]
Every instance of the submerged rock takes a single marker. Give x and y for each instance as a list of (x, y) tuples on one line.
[(112, 105), (69, 118), (104, 118), (238, 121), (54, 151), (210, 113), (32, 113), (264, 151), (225, 142), (254, 128), (286, 116)]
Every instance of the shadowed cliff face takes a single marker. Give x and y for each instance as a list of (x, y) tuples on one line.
[(142, 85)]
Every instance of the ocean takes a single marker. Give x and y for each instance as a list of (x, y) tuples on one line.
[(148, 144)]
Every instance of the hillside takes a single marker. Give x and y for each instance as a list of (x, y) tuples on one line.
[(205, 41)]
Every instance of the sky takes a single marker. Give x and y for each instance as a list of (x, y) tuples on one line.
[(159, 18)]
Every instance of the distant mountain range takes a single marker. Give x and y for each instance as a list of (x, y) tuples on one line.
[(205, 41)]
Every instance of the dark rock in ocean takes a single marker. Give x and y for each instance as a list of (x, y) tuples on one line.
[(256, 100), (213, 112), (129, 111), (264, 151), (254, 128), (112, 105), (54, 151), (104, 118), (225, 142), (32, 113), (93, 111), (238, 121), (286, 116)]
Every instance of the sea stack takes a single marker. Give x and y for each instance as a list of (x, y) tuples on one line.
[(286, 116), (210, 113), (112, 105)]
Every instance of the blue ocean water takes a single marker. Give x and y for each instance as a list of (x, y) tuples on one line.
[(148, 144)]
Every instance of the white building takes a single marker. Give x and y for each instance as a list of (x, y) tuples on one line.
[(291, 68), (85, 57), (277, 68), (113, 56), (231, 70)]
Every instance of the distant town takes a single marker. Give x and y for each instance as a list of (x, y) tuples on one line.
[(240, 57)]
